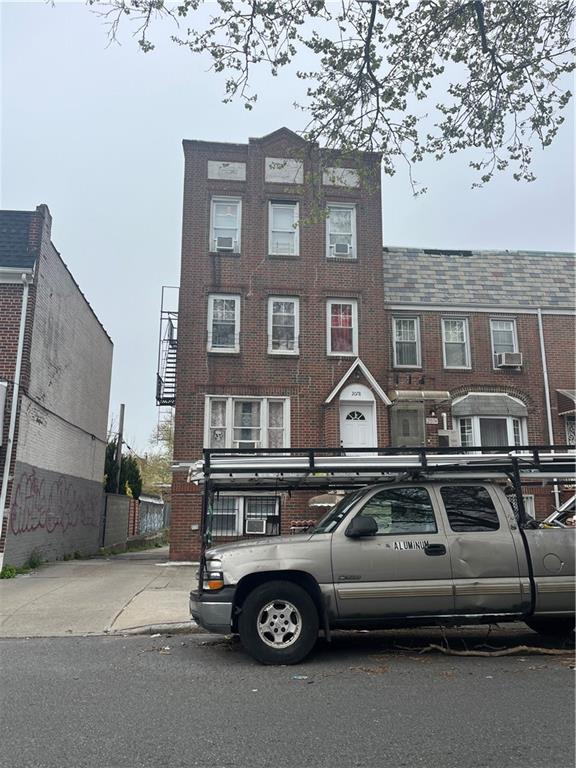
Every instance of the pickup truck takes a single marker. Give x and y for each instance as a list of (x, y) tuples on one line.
[(390, 555)]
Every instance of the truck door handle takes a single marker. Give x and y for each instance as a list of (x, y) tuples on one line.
[(435, 549)]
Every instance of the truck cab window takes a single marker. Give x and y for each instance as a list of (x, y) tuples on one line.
[(469, 508), (401, 511)]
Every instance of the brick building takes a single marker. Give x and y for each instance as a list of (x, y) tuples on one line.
[(311, 335), (55, 368)]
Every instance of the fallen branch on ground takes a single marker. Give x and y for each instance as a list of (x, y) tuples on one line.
[(523, 650)]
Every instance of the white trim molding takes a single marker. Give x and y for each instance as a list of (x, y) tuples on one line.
[(493, 310), (358, 364)]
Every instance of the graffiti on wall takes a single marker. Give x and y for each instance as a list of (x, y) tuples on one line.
[(50, 505)]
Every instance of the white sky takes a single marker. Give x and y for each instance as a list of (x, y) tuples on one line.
[(95, 132)]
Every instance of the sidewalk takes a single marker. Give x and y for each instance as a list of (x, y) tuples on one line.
[(136, 591)]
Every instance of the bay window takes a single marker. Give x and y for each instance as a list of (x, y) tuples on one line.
[(283, 322), (492, 431), (342, 322), (247, 422)]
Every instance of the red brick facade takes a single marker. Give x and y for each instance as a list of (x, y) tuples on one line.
[(309, 377)]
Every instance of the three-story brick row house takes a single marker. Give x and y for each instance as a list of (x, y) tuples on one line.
[(295, 328)]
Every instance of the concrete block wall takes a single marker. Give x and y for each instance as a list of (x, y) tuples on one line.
[(116, 523), (53, 514)]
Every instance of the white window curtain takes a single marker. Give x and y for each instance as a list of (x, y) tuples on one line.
[(247, 422), (283, 323)]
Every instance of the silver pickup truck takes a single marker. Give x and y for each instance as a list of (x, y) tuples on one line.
[(390, 555)]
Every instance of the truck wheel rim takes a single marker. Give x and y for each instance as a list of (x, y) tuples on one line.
[(279, 624)]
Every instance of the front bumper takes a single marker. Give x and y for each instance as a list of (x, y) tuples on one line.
[(213, 610)]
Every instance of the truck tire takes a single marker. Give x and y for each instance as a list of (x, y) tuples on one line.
[(278, 623), (559, 626)]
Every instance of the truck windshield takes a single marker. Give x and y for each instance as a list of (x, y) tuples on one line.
[(332, 519)]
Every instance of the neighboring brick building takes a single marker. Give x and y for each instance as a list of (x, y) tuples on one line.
[(493, 329), (51, 489), (287, 337)]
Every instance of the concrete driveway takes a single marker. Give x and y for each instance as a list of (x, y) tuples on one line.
[(135, 591)]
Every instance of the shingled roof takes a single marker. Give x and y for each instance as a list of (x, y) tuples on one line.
[(15, 247), (480, 278)]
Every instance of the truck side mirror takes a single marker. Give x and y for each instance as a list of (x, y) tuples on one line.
[(362, 526)]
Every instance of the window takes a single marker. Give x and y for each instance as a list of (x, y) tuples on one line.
[(407, 342), (469, 508), (492, 431), (504, 337), (225, 517), (244, 422), (341, 231), (342, 327), (283, 229), (455, 342), (225, 224), (250, 515), (223, 323), (401, 511), (570, 429), (283, 325)]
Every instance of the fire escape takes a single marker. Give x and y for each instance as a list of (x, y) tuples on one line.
[(167, 345)]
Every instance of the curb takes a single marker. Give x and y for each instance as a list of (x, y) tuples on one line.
[(174, 628)]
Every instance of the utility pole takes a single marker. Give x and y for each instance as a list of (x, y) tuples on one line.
[(119, 448)]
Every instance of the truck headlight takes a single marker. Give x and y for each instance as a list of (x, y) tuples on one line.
[(213, 576)]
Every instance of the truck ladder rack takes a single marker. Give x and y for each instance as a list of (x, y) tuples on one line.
[(315, 468)]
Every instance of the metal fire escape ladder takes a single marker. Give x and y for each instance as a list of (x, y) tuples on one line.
[(167, 350)]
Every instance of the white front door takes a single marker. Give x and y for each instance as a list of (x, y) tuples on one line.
[(357, 425)]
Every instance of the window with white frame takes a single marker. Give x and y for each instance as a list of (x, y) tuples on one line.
[(406, 342), (245, 422), (245, 515), (283, 325), (342, 326), (223, 323), (341, 231), (504, 338), (455, 342), (283, 228), (225, 215), (492, 431)]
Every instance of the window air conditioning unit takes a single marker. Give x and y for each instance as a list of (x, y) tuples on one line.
[(246, 444), (224, 243), (509, 360), (256, 525), (284, 249), (342, 249)]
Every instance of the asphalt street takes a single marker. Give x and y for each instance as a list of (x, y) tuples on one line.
[(143, 702)]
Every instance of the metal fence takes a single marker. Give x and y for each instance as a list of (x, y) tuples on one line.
[(153, 517)]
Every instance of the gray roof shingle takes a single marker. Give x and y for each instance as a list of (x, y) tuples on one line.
[(480, 278), (15, 248)]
